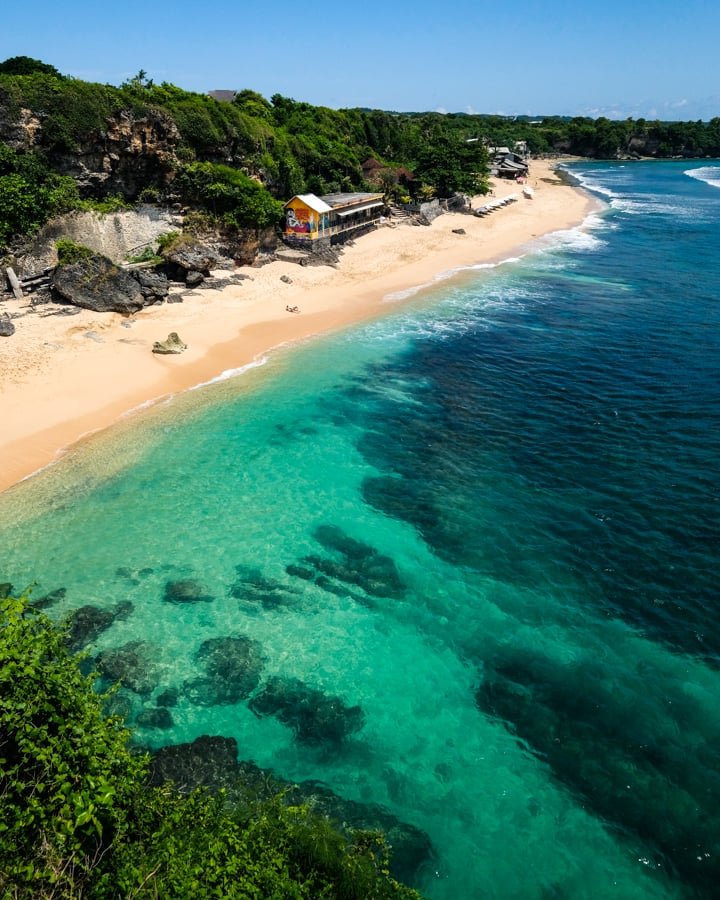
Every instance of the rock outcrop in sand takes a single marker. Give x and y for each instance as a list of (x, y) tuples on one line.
[(97, 283), (172, 344)]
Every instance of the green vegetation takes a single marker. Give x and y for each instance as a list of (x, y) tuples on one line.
[(148, 255), (170, 240), (229, 194), (69, 252), (236, 161), (26, 65), (106, 205), (77, 817), (30, 193)]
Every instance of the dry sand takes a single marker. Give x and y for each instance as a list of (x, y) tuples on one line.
[(64, 377)]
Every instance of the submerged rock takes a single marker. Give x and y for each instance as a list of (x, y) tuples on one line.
[(88, 622), (155, 717), (254, 588), (5, 590), (168, 697), (232, 671), (186, 590), (49, 599), (131, 665), (598, 742), (207, 762), (352, 563), (117, 703), (134, 576), (316, 718)]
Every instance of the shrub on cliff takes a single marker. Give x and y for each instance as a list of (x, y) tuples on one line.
[(30, 193), (69, 252), (77, 817), (230, 194)]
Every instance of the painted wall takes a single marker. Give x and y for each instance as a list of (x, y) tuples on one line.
[(300, 219)]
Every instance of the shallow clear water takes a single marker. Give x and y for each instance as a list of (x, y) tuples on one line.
[(532, 450)]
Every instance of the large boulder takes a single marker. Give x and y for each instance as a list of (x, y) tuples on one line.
[(190, 256), (153, 285), (97, 283)]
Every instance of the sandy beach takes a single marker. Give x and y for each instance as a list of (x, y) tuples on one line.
[(65, 377)]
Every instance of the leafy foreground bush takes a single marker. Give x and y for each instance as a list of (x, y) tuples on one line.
[(77, 817), (69, 252)]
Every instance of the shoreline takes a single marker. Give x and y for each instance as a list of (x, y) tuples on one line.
[(65, 378)]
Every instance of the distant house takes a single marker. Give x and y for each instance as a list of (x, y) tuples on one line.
[(223, 96), (507, 164), (511, 166), (321, 221)]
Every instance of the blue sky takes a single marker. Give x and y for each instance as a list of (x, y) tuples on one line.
[(651, 59)]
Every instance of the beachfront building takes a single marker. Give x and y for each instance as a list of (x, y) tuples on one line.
[(313, 222), (505, 163)]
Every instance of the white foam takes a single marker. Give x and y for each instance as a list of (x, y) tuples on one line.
[(649, 205), (581, 238), (502, 262), (587, 181), (231, 373), (443, 276), (708, 174)]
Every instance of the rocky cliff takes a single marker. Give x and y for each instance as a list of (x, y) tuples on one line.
[(128, 155)]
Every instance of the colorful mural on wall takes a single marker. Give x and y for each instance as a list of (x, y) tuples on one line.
[(300, 221)]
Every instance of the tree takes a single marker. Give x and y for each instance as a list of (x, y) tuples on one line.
[(26, 65), (452, 164)]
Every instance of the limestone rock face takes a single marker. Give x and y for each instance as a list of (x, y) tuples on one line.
[(172, 344), (98, 284), (115, 235), (23, 132), (130, 154)]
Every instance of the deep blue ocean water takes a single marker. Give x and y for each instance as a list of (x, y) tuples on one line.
[(489, 520)]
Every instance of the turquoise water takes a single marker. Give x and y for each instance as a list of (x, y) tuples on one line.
[(489, 521)]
